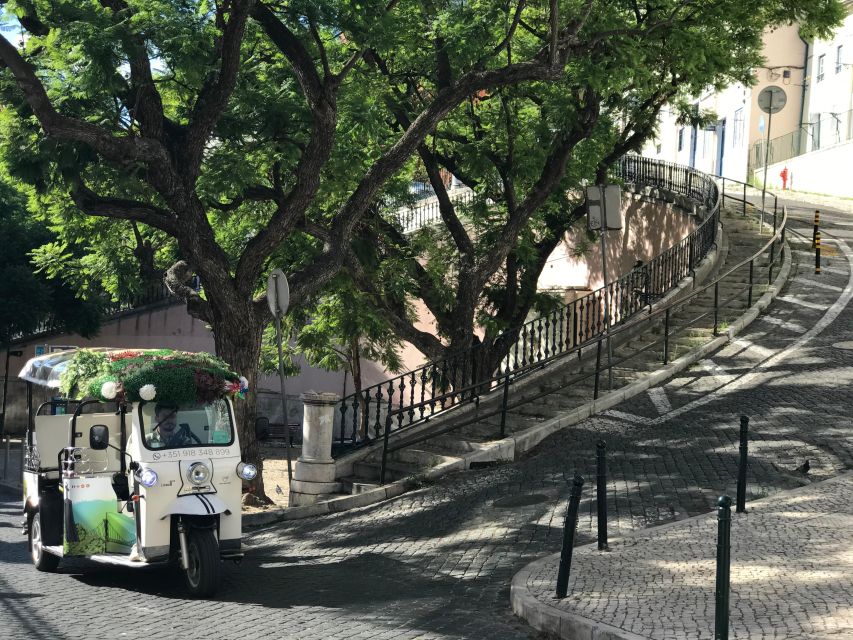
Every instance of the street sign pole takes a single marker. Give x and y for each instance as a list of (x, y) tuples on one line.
[(278, 298), (606, 289), (771, 100), (604, 212), (766, 161)]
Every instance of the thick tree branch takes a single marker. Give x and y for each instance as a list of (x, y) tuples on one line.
[(122, 209), (257, 192), (214, 94), (552, 173), (315, 275), (446, 208), (124, 151), (294, 51), (147, 105), (427, 343)]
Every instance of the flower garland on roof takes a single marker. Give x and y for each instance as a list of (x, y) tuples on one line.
[(164, 375)]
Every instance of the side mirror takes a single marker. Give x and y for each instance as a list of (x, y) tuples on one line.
[(99, 437), (262, 428)]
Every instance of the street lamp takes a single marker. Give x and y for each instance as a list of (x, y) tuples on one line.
[(9, 353)]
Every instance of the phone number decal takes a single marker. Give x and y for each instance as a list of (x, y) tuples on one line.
[(177, 454)]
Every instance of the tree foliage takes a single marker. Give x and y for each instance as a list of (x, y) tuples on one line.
[(31, 298)]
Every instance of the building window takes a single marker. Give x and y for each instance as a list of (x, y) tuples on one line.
[(681, 138), (838, 53), (737, 136), (820, 60)]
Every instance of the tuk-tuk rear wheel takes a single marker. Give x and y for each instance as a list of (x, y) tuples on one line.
[(204, 571), (42, 560)]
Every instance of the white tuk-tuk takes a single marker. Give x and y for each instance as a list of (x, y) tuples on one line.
[(143, 466)]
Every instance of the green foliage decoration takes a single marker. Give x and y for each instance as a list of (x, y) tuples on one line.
[(178, 377)]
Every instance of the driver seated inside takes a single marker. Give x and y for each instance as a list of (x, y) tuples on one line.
[(166, 432)]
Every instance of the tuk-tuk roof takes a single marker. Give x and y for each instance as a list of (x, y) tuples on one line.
[(45, 370), (175, 377)]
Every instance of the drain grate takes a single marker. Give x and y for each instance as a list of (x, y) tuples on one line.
[(519, 501)]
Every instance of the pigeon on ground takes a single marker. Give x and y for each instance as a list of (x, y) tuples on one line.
[(278, 490), (804, 468)]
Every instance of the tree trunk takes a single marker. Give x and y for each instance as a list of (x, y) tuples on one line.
[(237, 335), (355, 365)]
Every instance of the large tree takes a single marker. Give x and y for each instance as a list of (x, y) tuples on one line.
[(247, 129)]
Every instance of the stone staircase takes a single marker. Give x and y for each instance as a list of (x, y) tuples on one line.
[(570, 383)]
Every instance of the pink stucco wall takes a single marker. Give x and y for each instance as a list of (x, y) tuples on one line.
[(649, 228)]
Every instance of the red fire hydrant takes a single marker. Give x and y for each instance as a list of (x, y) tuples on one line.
[(784, 176)]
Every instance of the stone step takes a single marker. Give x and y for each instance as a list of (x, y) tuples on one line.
[(367, 470), (355, 485), (420, 457)]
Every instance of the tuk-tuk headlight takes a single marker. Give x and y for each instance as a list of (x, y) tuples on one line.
[(147, 477), (198, 473), (247, 471)]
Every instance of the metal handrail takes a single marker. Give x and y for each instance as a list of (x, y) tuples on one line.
[(440, 385)]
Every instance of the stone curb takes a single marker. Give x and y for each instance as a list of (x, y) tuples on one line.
[(511, 447), (570, 626)]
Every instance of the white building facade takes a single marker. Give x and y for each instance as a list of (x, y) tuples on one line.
[(811, 139)]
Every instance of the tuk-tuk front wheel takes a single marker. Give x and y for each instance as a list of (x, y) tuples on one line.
[(42, 560), (203, 572)]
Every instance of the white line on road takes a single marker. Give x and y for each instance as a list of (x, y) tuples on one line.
[(802, 303), (713, 368), (785, 324), (762, 352), (819, 285), (628, 417), (659, 399)]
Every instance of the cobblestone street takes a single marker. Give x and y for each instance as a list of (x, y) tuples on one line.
[(437, 562)]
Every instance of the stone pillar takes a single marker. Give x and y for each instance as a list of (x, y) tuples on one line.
[(314, 474)]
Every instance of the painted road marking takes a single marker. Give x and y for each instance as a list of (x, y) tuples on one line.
[(659, 399), (802, 303), (819, 285), (785, 324)]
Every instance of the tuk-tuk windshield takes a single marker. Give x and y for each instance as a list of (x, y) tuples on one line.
[(170, 427)]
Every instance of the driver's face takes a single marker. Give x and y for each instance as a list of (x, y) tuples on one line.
[(167, 420)]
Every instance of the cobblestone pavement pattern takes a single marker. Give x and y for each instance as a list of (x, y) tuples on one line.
[(790, 573), (437, 562)]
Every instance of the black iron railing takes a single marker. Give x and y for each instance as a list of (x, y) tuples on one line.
[(416, 396), (427, 213)]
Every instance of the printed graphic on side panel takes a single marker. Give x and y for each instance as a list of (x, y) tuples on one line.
[(93, 522)]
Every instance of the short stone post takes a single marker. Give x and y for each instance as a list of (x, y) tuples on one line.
[(314, 474)]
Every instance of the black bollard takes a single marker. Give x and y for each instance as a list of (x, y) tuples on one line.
[(817, 253), (741, 472), (601, 493), (569, 527), (724, 524), (816, 227)]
